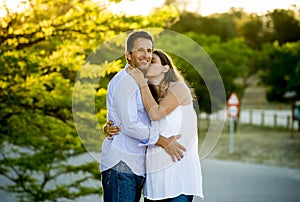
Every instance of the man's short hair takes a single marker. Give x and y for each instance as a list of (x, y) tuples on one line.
[(135, 35)]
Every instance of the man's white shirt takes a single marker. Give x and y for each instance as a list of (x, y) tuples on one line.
[(126, 109)]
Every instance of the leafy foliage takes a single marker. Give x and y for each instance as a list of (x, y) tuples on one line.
[(42, 50), (238, 44), (281, 70), (232, 59)]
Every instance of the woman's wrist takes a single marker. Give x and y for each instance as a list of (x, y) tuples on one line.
[(144, 84), (162, 142)]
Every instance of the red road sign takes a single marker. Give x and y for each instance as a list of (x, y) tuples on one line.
[(233, 106)]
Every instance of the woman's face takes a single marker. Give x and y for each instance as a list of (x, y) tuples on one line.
[(156, 69)]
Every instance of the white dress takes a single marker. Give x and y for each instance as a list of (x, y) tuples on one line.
[(164, 178)]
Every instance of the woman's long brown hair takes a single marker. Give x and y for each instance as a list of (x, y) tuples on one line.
[(171, 76)]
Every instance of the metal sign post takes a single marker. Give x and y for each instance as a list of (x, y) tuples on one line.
[(231, 137), (232, 112)]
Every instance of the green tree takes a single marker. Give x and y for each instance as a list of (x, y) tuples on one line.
[(277, 25), (233, 59), (42, 49), (284, 25), (220, 25), (251, 28), (281, 70)]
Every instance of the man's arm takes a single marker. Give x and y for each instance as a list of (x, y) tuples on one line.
[(125, 110), (170, 145)]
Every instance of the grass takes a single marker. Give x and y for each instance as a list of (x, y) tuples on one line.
[(256, 144), (263, 145)]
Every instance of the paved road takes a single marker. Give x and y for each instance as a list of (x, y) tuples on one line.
[(226, 181)]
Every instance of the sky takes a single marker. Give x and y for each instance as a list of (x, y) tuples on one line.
[(257, 6), (204, 7)]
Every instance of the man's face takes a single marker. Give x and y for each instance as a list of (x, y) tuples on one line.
[(141, 54)]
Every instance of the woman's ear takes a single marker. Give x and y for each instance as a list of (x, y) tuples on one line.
[(166, 68)]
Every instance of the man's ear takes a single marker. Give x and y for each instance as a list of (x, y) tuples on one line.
[(166, 68), (128, 56)]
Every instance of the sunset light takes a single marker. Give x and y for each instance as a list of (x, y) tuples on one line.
[(255, 6), (12, 6), (138, 7), (203, 7)]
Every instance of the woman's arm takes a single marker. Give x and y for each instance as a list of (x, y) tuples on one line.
[(110, 130), (177, 94), (158, 111), (170, 145)]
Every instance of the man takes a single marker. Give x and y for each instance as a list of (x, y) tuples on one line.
[(123, 157)]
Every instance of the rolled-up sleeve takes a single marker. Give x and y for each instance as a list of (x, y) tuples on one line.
[(128, 105)]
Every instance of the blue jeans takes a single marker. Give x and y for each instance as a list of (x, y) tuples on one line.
[(120, 184), (180, 198)]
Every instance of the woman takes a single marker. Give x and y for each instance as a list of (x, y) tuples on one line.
[(170, 109)]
